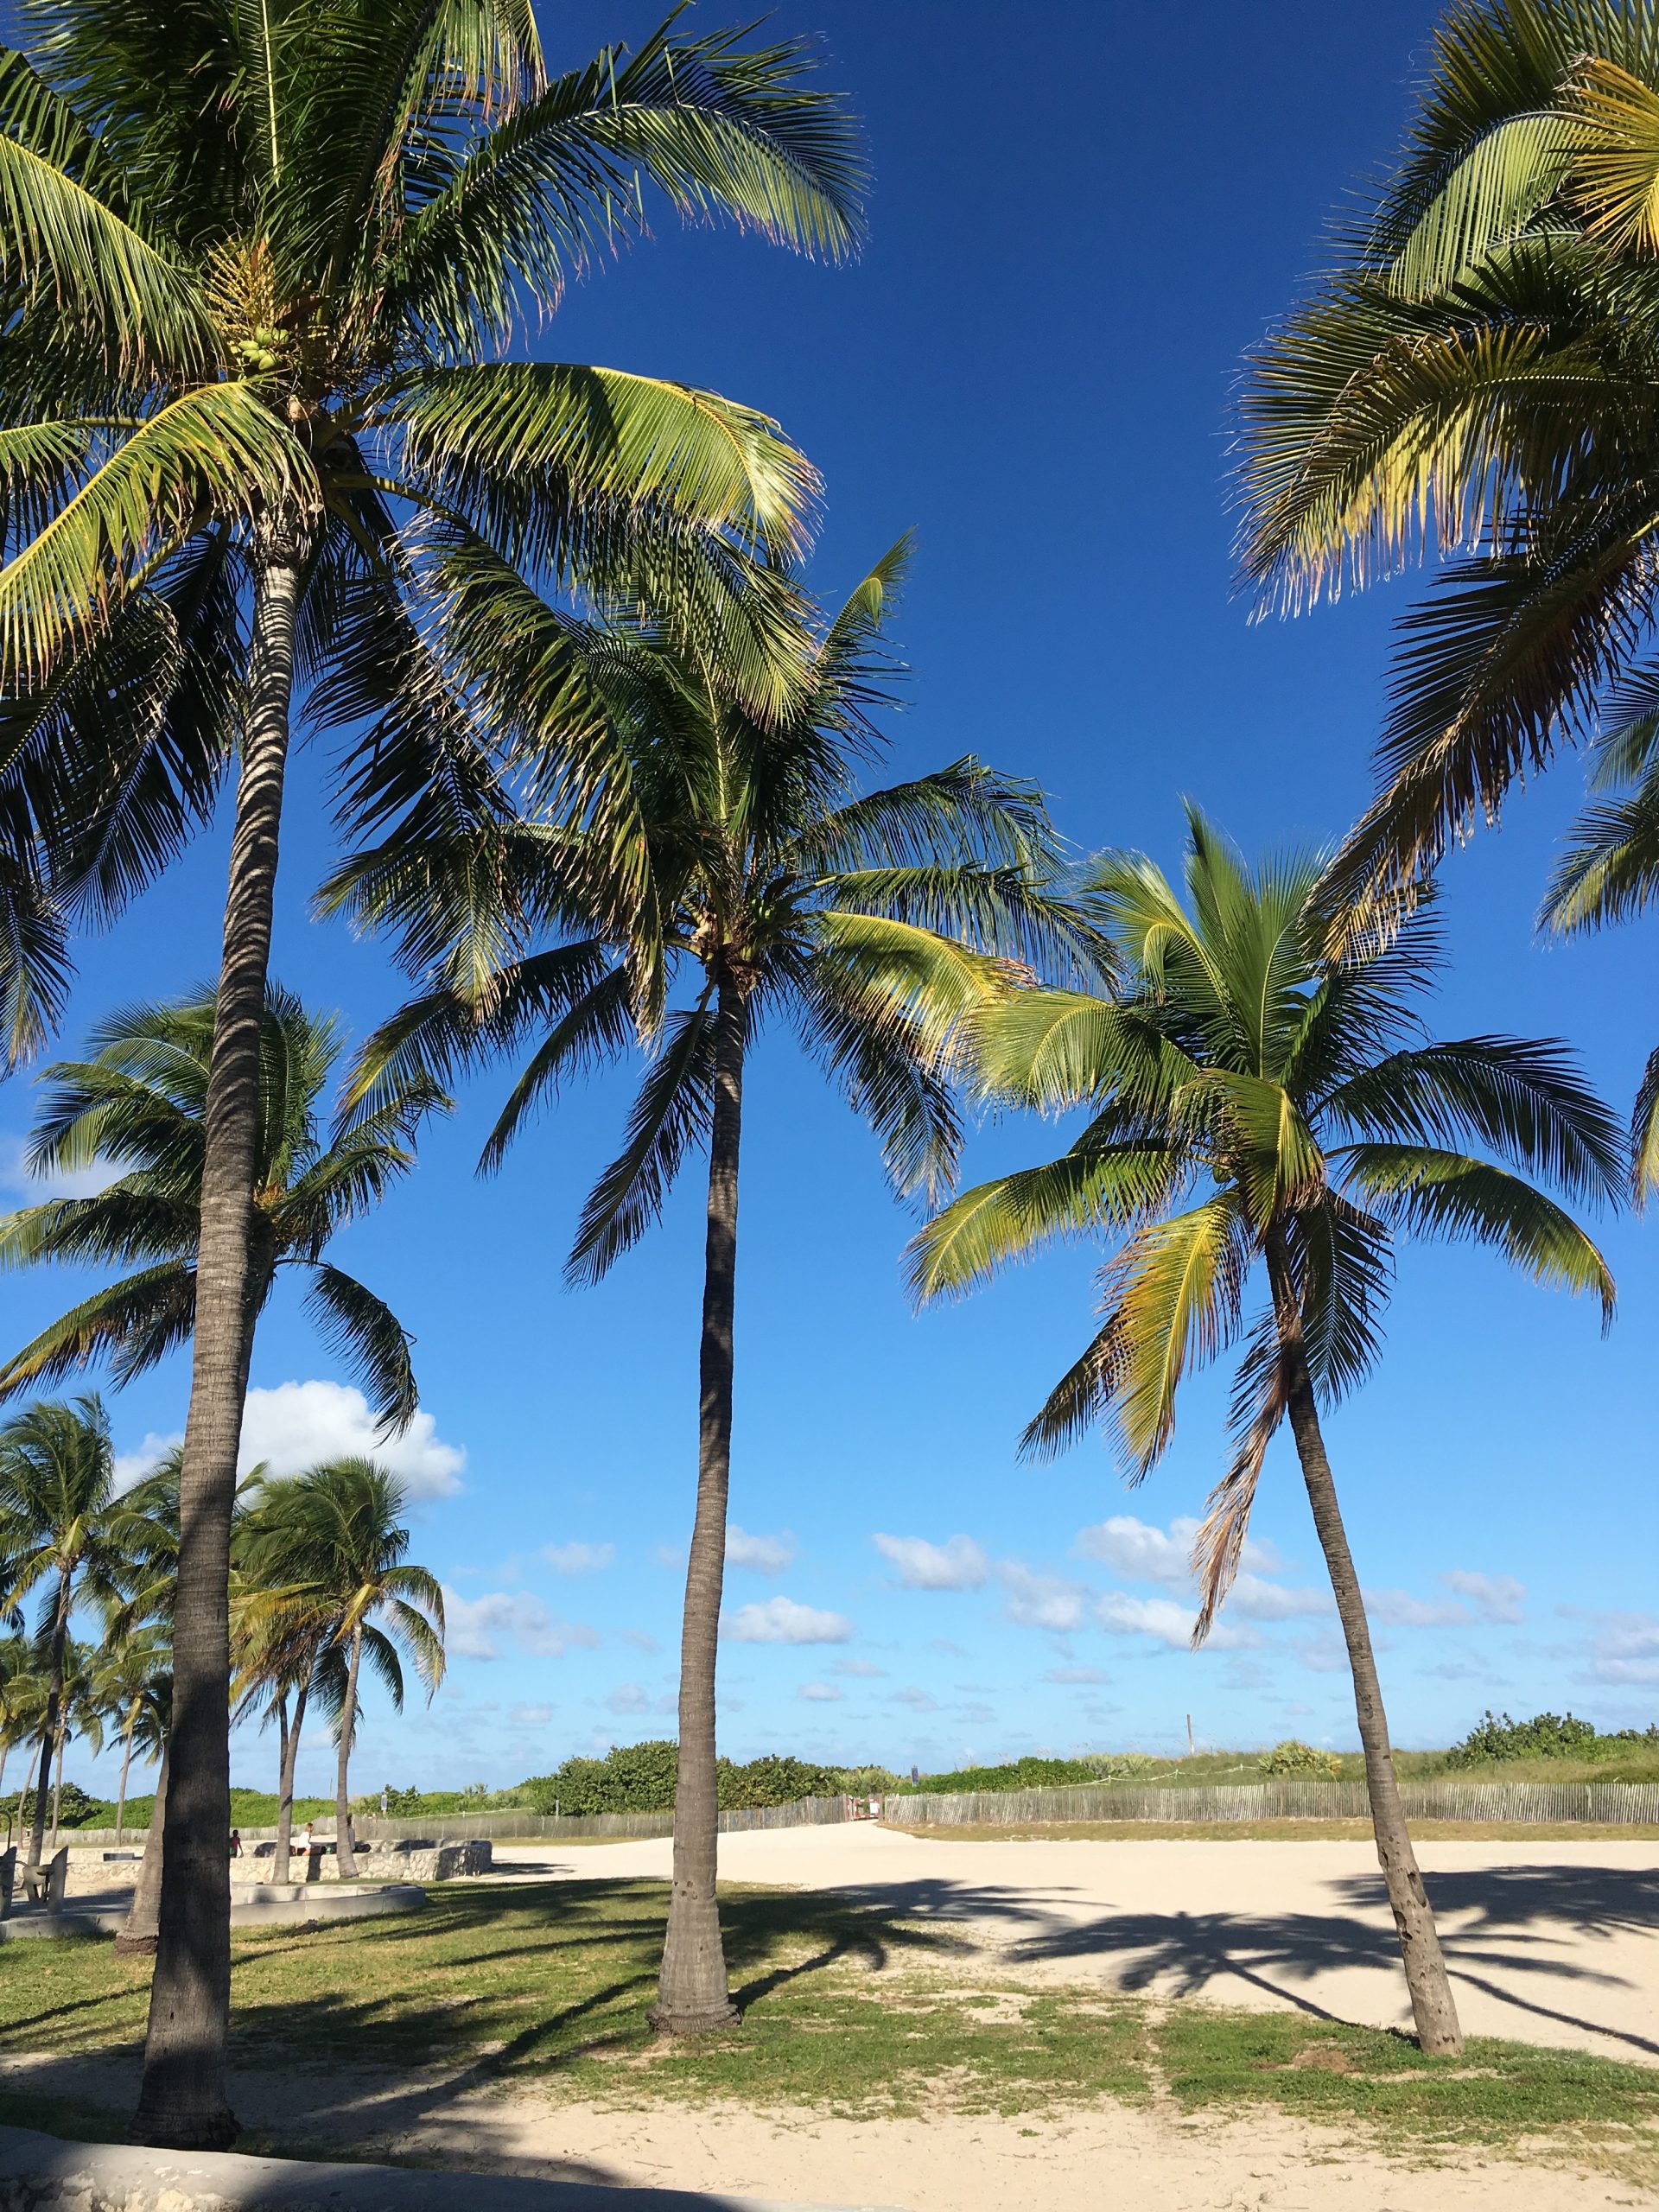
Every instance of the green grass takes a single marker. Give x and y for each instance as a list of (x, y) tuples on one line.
[(847, 2010)]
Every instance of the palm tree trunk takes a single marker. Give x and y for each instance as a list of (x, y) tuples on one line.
[(126, 1764), (285, 1786), (1433, 2006), (49, 1732), (692, 1996), (182, 2103), (28, 1776), (345, 1856), (143, 1913), (57, 1786)]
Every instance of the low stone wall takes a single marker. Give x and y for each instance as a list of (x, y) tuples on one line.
[(415, 1858)]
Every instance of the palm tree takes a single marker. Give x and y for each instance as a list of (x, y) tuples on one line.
[(337, 1533), (259, 428), (1474, 376), (1609, 872), (57, 1488), (140, 1101), (21, 1695), (1253, 1099), (130, 1683), (281, 1634), (80, 1712), (741, 866)]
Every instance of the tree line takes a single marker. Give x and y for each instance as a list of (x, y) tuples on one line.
[(320, 1583), (599, 763)]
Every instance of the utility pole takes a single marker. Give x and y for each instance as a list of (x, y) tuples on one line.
[(1191, 1748)]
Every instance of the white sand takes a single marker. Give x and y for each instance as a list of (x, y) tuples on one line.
[(1108, 2160), (1548, 1942)]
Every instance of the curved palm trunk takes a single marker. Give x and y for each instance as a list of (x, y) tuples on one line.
[(1433, 2006), (691, 1992), (126, 1768), (345, 1855), (49, 1730), (57, 1785), (285, 1786), (139, 1933), (182, 2104)]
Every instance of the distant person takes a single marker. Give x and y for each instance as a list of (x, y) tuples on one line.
[(236, 1843), (305, 1840)]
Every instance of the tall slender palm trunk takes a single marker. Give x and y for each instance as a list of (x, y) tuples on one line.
[(49, 1727), (57, 1785), (291, 1752), (345, 1856), (692, 1995), (182, 2103), (140, 1932), (1433, 2006), (126, 1769)]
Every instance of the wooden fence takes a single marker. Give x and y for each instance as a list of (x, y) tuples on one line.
[(1622, 1804), (1612, 1803)]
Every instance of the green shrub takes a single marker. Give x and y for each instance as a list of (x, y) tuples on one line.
[(1547, 1735), (641, 1778), (864, 1781), (1294, 1756), (76, 1809), (1017, 1774)]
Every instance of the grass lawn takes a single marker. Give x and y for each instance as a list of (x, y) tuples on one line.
[(846, 2010)]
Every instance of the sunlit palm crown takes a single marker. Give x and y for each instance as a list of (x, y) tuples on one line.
[(261, 264), (729, 853), (1477, 375), (328, 1551), (58, 1510), (1248, 1095), (137, 1105)]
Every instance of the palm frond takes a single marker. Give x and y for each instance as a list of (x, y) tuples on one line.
[(1430, 1192), (1526, 1098), (368, 1340), (670, 1116)]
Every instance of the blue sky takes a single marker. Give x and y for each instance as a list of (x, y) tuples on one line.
[(1082, 217)]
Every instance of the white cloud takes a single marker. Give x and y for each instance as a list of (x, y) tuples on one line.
[(1399, 1609), (530, 1716), (1496, 1597), (820, 1692), (1166, 1622), (956, 1564), (1253, 1600), (759, 1555), (1626, 1648), (299, 1424), (629, 1697), (1074, 1675), (866, 1669), (578, 1558), (638, 1639), (1143, 1553), (35, 1190), (919, 1699), (670, 1555), (1135, 1549), (780, 1620), (472, 1624), (133, 1466), (1323, 1654), (1035, 1600)]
